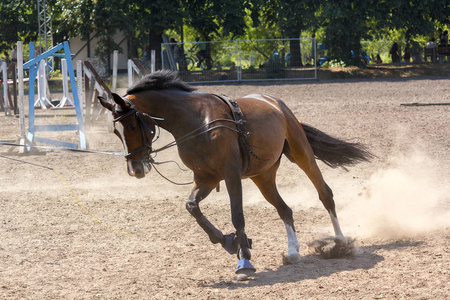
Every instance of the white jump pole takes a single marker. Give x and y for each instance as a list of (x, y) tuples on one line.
[(65, 97), (152, 62), (115, 66), (130, 73), (80, 89), (114, 86), (21, 95), (5, 88)]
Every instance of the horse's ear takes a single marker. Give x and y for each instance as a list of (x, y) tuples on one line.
[(106, 103), (119, 100)]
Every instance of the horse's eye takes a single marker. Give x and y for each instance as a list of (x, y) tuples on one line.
[(132, 127)]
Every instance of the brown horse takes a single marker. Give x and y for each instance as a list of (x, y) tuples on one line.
[(221, 143)]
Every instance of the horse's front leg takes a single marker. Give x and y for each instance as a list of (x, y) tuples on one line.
[(234, 187), (200, 192)]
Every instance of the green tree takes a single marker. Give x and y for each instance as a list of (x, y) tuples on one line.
[(293, 17), (215, 19), (18, 22), (151, 18), (417, 17), (142, 21), (72, 18), (345, 26), (219, 19)]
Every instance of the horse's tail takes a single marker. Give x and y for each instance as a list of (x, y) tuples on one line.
[(335, 152)]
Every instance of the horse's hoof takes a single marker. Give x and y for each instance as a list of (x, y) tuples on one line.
[(340, 241), (230, 243), (244, 266), (290, 259), (333, 247), (243, 277)]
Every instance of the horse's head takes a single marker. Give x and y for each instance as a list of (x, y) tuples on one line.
[(136, 130)]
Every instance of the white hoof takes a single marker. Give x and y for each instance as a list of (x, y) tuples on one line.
[(245, 274), (242, 277), (290, 259)]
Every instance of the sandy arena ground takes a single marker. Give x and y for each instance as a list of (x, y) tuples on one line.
[(397, 207)]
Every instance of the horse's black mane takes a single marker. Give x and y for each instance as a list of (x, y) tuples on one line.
[(160, 80)]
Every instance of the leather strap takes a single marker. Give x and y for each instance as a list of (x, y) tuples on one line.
[(239, 117)]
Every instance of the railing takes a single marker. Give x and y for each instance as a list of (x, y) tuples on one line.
[(242, 60)]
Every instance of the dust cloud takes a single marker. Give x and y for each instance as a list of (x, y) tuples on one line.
[(404, 199)]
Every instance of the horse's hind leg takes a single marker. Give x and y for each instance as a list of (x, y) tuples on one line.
[(298, 150), (267, 185)]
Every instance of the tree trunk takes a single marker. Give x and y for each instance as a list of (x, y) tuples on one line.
[(88, 45), (155, 41), (296, 54)]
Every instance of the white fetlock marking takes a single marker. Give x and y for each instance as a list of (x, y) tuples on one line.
[(293, 245), (339, 237), (335, 222)]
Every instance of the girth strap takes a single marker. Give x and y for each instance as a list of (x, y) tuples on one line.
[(239, 117)]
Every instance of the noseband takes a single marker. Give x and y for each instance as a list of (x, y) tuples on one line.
[(147, 145)]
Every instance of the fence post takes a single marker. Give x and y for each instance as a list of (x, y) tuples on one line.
[(315, 57), (238, 63), (21, 95), (152, 68)]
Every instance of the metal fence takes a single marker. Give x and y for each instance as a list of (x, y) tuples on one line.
[(242, 60)]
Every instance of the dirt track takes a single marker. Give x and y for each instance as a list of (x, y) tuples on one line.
[(397, 206)]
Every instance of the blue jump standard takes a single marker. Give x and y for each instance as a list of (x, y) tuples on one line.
[(32, 65)]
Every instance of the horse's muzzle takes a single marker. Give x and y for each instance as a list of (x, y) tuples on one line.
[(138, 169)]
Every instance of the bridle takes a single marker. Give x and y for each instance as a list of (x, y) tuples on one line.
[(147, 144)]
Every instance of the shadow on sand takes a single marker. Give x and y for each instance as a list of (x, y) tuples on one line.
[(313, 266)]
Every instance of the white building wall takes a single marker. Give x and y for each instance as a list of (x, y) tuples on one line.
[(79, 48)]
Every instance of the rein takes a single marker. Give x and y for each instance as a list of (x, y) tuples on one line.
[(185, 138), (194, 134), (147, 145)]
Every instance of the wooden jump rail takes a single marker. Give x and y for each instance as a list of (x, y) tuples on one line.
[(140, 66), (94, 86)]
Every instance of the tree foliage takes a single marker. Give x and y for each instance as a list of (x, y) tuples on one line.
[(417, 17), (18, 21), (214, 19), (344, 23)]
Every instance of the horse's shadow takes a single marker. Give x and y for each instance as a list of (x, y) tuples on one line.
[(313, 267)]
